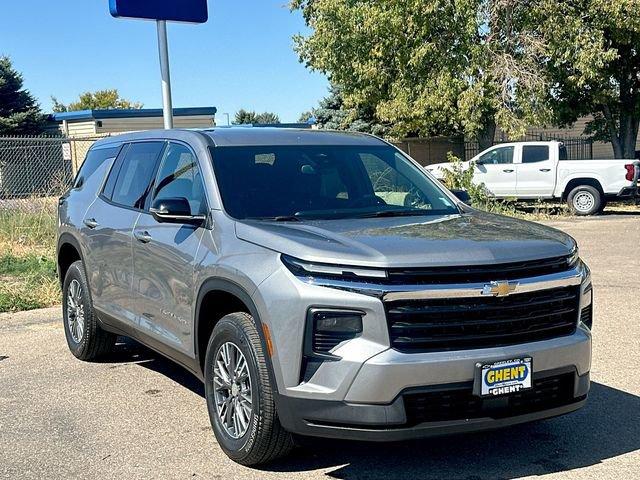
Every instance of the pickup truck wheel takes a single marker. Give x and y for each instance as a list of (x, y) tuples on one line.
[(240, 395), (86, 340), (585, 200)]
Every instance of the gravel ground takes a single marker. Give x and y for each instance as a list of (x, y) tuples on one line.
[(137, 415)]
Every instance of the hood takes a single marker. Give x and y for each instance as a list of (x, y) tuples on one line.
[(474, 238)]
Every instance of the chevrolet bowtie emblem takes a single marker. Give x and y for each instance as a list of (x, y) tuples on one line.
[(499, 289)]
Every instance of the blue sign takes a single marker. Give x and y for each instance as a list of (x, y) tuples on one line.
[(192, 11)]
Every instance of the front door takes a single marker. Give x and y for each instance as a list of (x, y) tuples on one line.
[(496, 169), (164, 254)]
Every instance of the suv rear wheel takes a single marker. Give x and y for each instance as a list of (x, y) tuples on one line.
[(585, 200), (240, 396), (86, 340)]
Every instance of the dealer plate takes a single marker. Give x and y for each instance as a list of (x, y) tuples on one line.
[(504, 377)]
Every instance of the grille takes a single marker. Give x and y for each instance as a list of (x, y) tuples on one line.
[(482, 322), (479, 273), (586, 316), (461, 404), (324, 342)]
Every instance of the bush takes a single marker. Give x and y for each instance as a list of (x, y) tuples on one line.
[(457, 177)]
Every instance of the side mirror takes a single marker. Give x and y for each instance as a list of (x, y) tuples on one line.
[(175, 210), (462, 195)]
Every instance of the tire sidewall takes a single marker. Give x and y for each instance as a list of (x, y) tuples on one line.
[(75, 272), (228, 331), (597, 197)]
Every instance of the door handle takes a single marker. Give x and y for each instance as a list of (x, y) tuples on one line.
[(143, 237), (545, 169), (90, 222), (507, 171)]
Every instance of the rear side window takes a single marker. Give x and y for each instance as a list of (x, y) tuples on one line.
[(95, 158), (135, 174), (535, 153)]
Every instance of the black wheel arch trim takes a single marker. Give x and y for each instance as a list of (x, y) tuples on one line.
[(231, 287), (68, 238)]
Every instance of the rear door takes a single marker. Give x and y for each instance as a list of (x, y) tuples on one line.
[(108, 228), (496, 169), (536, 172), (164, 253)]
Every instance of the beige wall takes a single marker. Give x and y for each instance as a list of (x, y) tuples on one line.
[(120, 125)]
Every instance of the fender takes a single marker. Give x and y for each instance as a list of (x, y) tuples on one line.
[(69, 238), (228, 286), (560, 188)]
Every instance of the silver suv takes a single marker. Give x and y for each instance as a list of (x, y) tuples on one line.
[(320, 284)]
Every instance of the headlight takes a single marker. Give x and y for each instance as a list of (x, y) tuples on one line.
[(302, 268), (574, 258)]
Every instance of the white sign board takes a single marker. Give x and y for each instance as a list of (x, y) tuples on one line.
[(66, 151)]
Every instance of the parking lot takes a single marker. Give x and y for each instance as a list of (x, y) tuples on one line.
[(137, 416)]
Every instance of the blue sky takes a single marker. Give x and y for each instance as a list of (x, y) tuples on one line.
[(242, 58)]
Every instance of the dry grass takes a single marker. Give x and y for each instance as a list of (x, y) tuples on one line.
[(27, 257)]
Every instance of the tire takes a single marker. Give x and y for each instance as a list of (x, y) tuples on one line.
[(261, 439), (86, 340), (585, 200)]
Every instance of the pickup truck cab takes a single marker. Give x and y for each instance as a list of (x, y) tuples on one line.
[(541, 171)]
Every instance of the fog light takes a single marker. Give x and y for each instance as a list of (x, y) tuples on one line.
[(338, 322)]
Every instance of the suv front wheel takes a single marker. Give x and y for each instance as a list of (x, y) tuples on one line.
[(86, 340), (239, 394)]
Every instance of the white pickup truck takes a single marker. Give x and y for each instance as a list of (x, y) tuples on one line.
[(541, 171)]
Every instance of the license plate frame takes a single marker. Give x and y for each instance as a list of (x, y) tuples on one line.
[(486, 385)]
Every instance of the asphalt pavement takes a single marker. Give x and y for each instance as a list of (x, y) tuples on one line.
[(138, 416)]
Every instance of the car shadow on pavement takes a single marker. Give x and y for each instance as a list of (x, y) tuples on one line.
[(130, 351), (607, 427)]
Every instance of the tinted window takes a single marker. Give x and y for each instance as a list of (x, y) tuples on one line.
[(134, 178), (498, 156), (179, 176), (535, 153), (94, 159), (563, 154), (323, 182)]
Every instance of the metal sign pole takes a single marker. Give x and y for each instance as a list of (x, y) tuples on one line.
[(163, 51)]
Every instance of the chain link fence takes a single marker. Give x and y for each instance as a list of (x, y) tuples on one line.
[(34, 171)]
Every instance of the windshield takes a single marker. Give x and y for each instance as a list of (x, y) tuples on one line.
[(291, 183)]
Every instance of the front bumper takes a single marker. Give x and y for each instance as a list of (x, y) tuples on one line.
[(396, 421)]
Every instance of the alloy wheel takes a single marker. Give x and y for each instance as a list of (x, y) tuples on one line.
[(232, 390), (75, 311)]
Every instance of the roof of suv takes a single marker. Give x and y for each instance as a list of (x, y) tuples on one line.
[(255, 136)]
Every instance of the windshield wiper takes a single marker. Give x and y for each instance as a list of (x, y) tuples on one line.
[(395, 213), (280, 218)]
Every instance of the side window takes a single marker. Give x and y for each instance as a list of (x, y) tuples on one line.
[(535, 153), (497, 156), (95, 158), (136, 173), (179, 176)]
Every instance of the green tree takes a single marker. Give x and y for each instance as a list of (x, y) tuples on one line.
[(305, 116), (246, 117), (99, 100), (267, 118), (430, 67), (19, 112), (333, 114), (594, 66)]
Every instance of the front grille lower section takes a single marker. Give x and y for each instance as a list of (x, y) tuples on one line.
[(460, 403), (482, 322)]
